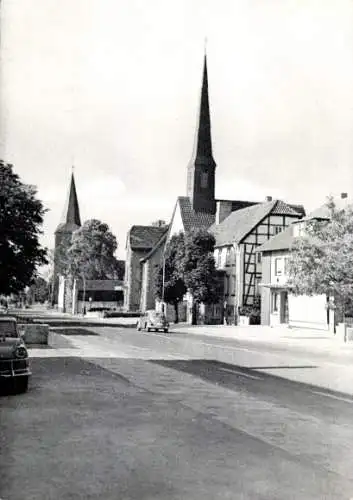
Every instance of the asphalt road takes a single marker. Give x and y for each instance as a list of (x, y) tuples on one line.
[(148, 417)]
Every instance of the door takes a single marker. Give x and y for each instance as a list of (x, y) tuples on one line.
[(284, 307)]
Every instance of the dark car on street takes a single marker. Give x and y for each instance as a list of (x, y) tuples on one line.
[(152, 320), (14, 362)]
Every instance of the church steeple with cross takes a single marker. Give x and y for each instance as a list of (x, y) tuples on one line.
[(202, 166), (70, 222)]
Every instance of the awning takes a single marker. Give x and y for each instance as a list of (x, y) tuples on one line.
[(277, 286)]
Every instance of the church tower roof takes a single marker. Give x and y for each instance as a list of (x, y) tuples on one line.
[(203, 141), (201, 168), (71, 216)]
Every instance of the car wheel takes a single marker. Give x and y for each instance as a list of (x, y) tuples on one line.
[(148, 329), (21, 384), (165, 330)]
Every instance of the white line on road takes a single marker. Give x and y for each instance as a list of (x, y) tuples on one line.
[(333, 396), (232, 348), (242, 374)]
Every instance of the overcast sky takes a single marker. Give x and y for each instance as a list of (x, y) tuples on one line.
[(112, 86)]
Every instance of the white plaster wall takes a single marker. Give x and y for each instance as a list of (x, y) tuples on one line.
[(61, 293), (177, 222), (308, 312)]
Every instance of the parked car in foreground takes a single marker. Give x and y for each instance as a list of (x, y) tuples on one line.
[(14, 362), (152, 320)]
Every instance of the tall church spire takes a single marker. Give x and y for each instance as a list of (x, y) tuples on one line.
[(70, 222), (71, 215), (201, 169)]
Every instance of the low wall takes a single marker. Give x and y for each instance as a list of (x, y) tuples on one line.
[(35, 334)]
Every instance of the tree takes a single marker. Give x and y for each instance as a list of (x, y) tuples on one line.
[(39, 291), (198, 269), (170, 286), (91, 252), (48, 275), (21, 219), (321, 261)]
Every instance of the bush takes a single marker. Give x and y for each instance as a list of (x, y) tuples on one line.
[(253, 313), (120, 314)]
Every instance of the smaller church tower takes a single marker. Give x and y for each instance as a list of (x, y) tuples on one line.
[(70, 222), (202, 166)]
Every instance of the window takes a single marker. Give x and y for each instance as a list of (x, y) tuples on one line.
[(279, 263), (232, 285), (259, 255), (274, 302), (228, 254), (286, 265), (257, 285), (204, 180), (278, 229), (219, 258), (227, 285)]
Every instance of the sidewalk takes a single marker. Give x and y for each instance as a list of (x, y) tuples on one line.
[(297, 338)]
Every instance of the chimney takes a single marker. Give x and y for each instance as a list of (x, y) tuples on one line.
[(268, 198), (344, 195)]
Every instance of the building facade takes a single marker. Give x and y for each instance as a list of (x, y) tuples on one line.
[(139, 243), (199, 209), (278, 305), (238, 237)]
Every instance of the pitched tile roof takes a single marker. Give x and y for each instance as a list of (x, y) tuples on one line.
[(145, 237), (282, 208), (281, 241), (298, 208), (239, 224), (239, 204), (192, 219), (159, 243)]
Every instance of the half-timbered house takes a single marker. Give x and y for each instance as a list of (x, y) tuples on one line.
[(237, 238)]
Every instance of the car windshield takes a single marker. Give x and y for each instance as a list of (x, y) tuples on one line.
[(157, 315), (8, 329)]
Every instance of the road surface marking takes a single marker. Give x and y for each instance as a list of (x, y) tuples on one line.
[(333, 396), (232, 348), (242, 374)]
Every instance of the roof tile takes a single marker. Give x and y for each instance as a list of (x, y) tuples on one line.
[(239, 224), (192, 219), (145, 237)]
